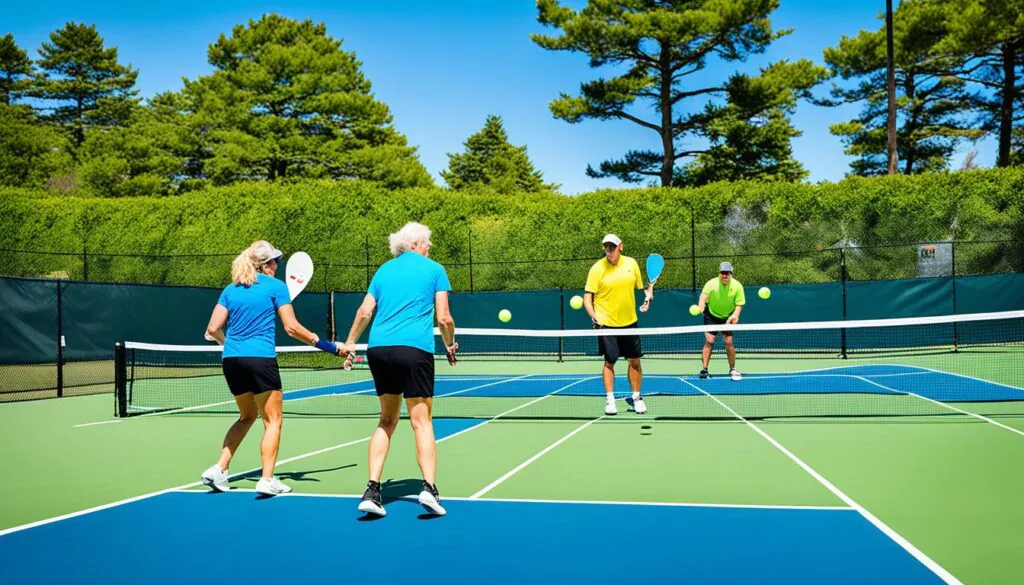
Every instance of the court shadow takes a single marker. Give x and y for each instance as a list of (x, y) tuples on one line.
[(394, 490), (299, 475)]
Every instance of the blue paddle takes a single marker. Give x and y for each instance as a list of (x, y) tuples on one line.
[(655, 264)]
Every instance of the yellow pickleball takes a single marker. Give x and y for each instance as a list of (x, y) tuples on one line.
[(504, 315), (764, 292), (576, 302), (694, 310)]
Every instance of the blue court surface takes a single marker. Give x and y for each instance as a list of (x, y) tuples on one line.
[(193, 537)]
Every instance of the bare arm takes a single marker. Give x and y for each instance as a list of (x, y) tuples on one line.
[(215, 328), (588, 304), (735, 317), (364, 314), (444, 319), (293, 328), (702, 302)]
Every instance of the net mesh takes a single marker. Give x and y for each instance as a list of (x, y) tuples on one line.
[(931, 366)]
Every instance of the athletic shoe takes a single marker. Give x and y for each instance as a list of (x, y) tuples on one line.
[(609, 407), (271, 487), (431, 500), (216, 479), (371, 503), (704, 375), (638, 405), (736, 376)]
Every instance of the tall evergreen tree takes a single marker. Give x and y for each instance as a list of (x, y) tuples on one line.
[(30, 150), (933, 107), (990, 35), (286, 101), (15, 70), (490, 159), (743, 119), (84, 79)]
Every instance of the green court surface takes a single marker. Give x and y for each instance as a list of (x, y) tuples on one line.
[(944, 482)]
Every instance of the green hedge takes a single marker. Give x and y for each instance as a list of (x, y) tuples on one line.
[(796, 229)]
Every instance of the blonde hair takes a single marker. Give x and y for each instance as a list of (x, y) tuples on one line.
[(411, 235), (245, 267)]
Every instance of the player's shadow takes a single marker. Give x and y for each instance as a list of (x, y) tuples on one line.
[(306, 475)]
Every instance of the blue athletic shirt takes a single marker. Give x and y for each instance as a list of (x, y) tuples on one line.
[(404, 288), (251, 314)]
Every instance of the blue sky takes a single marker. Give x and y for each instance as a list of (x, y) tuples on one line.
[(444, 65)]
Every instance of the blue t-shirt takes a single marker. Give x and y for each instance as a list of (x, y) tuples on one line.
[(404, 288), (251, 314)]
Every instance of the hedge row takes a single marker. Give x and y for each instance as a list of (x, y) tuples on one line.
[(521, 242)]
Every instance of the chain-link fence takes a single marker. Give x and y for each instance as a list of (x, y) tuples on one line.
[(526, 269)]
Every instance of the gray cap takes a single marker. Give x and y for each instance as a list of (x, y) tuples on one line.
[(725, 267)]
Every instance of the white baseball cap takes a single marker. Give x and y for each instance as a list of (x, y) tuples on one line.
[(611, 239)]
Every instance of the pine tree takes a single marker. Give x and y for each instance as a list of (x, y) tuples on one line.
[(15, 70), (490, 159)]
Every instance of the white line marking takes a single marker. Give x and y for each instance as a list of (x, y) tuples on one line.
[(906, 544), (570, 502), (502, 381), (237, 475), (965, 376), (232, 401), (948, 406), (537, 456), (176, 488)]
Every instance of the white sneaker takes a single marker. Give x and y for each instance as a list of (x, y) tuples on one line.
[(735, 375), (431, 501), (609, 407), (271, 487), (216, 479), (638, 405)]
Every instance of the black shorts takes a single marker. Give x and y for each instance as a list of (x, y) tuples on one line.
[(613, 347), (400, 369), (710, 319), (251, 374)]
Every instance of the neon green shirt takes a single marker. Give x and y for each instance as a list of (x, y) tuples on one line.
[(723, 300)]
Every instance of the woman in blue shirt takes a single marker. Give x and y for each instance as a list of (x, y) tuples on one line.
[(248, 307), (406, 291)]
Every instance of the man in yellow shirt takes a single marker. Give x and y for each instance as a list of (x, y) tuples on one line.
[(611, 304), (721, 301)]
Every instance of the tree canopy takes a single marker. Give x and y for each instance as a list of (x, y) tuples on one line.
[(491, 160)]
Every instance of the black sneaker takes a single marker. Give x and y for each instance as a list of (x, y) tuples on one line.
[(371, 503), (704, 375), (431, 500)]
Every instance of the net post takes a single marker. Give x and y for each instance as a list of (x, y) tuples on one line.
[(60, 340), (956, 336), (120, 381), (471, 260), (561, 322), (842, 280)]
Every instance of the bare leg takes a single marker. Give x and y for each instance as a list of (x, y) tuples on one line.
[(247, 414), (423, 428), (636, 375), (709, 343), (608, 375), (730, 350), (380, 442), (270, 404)]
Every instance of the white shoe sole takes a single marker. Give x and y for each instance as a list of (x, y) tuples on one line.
[(641, 410), (736, 378), (270, 492), (370, 507), (431, 505)]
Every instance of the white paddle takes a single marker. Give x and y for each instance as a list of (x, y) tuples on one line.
[(298, 273)]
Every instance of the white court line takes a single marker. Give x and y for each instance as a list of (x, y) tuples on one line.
[(537, 456), (924, 559), (232, 401), (244, 473), (572, 502), (502, 381), (948, 406), (966, 377)]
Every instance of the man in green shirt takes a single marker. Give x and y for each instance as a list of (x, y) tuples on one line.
[(721, 301)]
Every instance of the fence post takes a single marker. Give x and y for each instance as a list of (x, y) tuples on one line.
[(956, 335), (366, 248), (693, 251), (842, 280), (60, 340), (85, 263), (561, 321), (471, 260)]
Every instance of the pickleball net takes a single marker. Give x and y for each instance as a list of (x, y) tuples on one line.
[(951, 365)]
